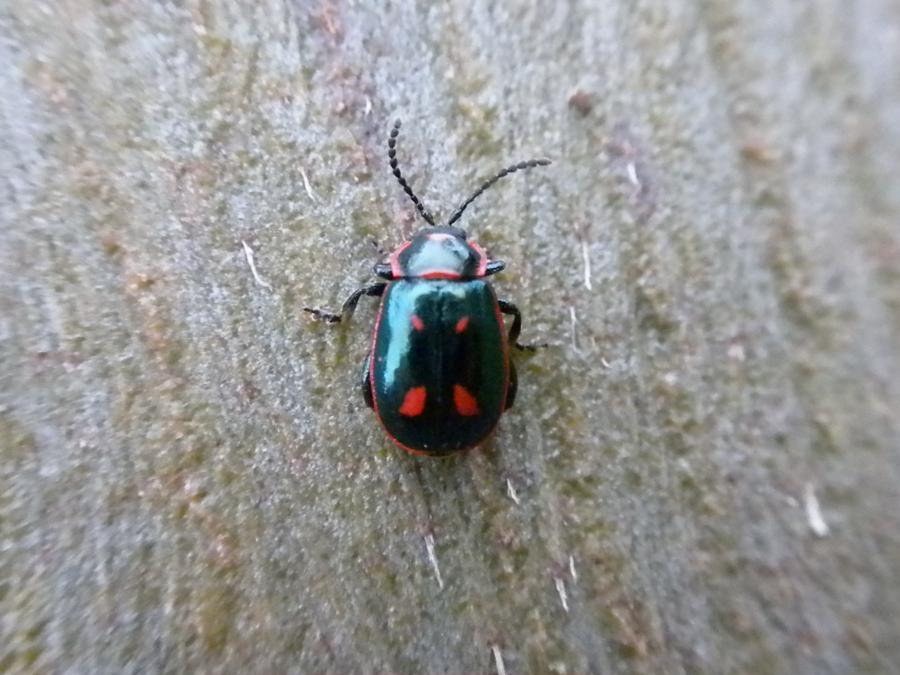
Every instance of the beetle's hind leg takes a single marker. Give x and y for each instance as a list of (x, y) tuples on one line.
[(512, 386), (516, 328), (349, 306), (366, 383)]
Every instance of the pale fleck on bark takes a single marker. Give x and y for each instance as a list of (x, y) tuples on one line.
[(814, 512), (251, 263)]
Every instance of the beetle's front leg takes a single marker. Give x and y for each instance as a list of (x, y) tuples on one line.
[(347, 309), (516, 328)]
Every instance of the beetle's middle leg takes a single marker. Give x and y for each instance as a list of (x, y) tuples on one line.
[(347, 309), (365, 383), (516, 328)]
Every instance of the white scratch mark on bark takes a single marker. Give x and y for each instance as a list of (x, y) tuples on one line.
[(248, 253), (572, 571), (813, 512), (432, 558), (606, 364), (309, 191), (498, 660), (511, 491), (632, 175), (561, 590)]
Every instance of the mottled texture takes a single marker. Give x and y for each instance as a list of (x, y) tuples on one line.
[(189, 480)]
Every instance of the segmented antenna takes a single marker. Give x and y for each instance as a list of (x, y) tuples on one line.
[(392, 154), (530, 164)]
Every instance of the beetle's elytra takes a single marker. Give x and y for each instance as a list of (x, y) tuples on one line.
[(438, 373)]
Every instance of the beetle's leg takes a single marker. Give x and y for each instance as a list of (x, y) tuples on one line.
[(384, 270), (512, 386), (366, 383), (493, 267), (516, 328), (349, 305)]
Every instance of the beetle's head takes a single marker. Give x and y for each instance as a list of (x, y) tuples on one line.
[(441, 251), (438, 253), (455, 232)]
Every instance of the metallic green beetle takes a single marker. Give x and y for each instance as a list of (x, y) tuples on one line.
[(438, 374)]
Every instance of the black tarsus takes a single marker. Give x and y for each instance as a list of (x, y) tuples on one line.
[(493, 267), (530, 164), (392, 155), (513, 338), (347, 309)]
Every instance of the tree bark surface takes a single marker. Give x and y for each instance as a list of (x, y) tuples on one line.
[(701, 473)]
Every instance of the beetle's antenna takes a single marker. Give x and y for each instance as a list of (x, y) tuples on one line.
[(530, 164), (392, 154)]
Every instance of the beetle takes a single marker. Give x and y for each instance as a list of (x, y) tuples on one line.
[(438, 373)]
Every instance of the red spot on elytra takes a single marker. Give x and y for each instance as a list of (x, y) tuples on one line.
[(462, 324), (465, 403), (413, 402), (417, 322)]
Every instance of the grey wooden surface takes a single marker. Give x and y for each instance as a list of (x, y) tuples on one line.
[(189, 481)]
